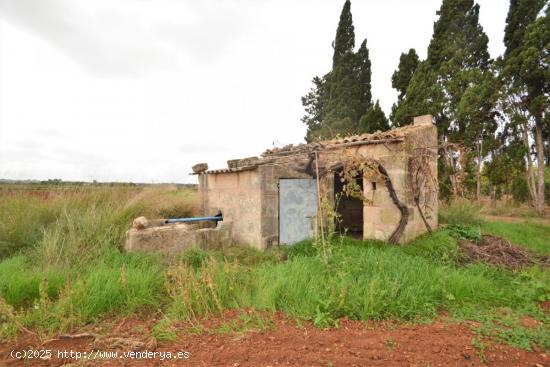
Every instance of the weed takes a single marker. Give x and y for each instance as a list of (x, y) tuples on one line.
[(440, 247), (193, 257), (478, 344), (390, 344), (324, 315), (164, 330), (8, 322), (462, 232)]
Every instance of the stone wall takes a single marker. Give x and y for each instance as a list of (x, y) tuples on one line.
[(381, 216), (420, 142), (249, 199), (174, 238), (238, 196)]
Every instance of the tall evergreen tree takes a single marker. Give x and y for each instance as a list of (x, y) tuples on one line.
[(457, 56), (339, 100), (344, 43), (364, 75), (424, 96), (527, 79), (458, 46), (408, 63), (520, 15), (343, 103), (342, 109), (373, 120), (313, 105), (478, 117)]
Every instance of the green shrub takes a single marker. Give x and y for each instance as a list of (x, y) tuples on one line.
[(461, 232), (519, 189)]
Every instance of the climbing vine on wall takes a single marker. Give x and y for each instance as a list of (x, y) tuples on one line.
[(373, 169), (422, 182)]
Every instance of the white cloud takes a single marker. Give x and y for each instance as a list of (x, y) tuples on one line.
[(124, 38), (141, 90)]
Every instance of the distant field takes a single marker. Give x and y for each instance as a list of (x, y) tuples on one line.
[(62, 268)]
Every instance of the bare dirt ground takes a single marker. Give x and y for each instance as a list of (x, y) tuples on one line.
[(287, 343)]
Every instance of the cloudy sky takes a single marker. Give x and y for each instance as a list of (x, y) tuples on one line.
[(140, 90)]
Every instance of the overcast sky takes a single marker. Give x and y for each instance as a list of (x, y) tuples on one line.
[(140, 90)]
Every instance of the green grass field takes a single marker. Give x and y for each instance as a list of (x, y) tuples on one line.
[(62, 268)]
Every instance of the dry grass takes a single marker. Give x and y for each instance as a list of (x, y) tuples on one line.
[(70, 225), (460, 211)]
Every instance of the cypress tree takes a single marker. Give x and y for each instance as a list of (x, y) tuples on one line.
[(343, 104), (424, 96), (364, 76), (343, 96), (373, 120), (459, 41), (400, 80), (344, 43), (408, 62)]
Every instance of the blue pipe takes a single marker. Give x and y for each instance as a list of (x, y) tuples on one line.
[(190, 220)]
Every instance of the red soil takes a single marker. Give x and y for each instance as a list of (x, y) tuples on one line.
[(289, 344)]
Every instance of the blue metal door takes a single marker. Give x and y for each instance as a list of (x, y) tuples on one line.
[(297, 209)]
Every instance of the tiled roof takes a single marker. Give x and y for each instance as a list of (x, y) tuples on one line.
[(380, 137), (394, 135), (227, 170)]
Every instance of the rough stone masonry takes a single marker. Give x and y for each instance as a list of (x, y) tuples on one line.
[(398, 183)]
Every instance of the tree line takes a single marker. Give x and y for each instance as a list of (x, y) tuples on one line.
[(492, 115)]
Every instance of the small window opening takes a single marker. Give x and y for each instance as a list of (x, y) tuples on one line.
[(373, 186)]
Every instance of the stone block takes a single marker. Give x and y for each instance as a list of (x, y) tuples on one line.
[(423, 120), (200, 167), (390, 215)]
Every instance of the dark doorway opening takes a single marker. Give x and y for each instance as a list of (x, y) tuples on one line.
[(350, 209)]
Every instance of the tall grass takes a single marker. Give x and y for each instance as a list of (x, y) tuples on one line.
[(70, 271), (22, 221), (76, 225), (362, 281), (66, 266), (460, 211), (512, 209)]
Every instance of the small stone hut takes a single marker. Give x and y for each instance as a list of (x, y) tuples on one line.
[(374, 186)]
